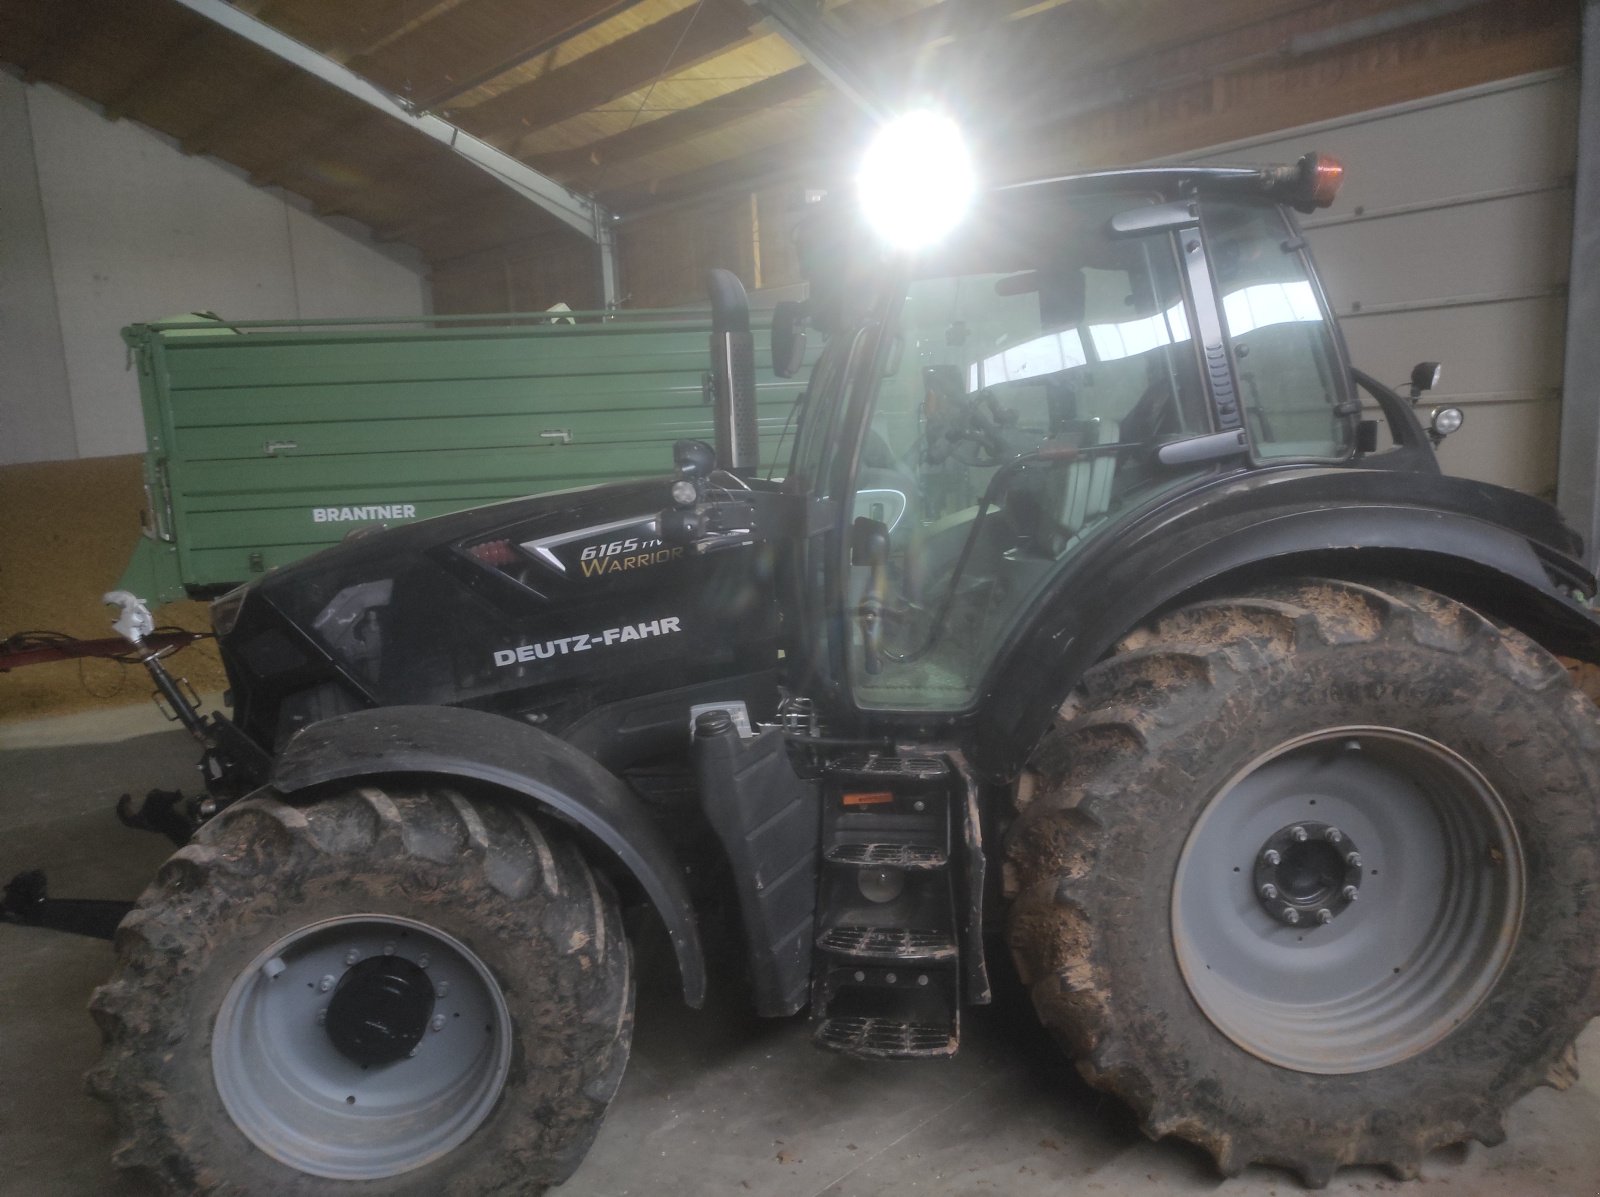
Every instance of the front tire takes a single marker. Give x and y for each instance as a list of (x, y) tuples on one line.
[(1311, 877), (400, 986)]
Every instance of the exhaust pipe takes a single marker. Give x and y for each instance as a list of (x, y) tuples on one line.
[(733, 374)]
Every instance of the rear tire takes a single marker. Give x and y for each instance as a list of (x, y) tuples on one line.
[(1169, 802), (234, 1066)]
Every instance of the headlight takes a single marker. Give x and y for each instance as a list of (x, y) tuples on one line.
[(1446, 420)]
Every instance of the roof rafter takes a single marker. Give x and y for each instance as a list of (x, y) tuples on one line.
[(172, 60), (675, 43), (589, 161), (524, 40)]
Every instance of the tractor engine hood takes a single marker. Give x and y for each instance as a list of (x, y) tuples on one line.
[(540, 607)]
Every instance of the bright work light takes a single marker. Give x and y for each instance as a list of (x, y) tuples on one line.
[(916, 180)]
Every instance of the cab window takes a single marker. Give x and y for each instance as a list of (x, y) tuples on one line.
[(1026, 338), (1284, 349)]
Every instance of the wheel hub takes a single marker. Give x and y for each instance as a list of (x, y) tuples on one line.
[(1307, 874), (380, 1010)]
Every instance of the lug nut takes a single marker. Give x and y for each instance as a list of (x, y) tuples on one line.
[(388, 949), (860, 976), (922, 978), (1332, 835), (1324, 916), (1298, 835), (422, 960), (442, 989), (1269, 891), (1353, 859), (322, 1016), (1351, 893), (1271, 856), (352, 956), (891, 978), (437, 1024), (326, 983), (1291, 915)]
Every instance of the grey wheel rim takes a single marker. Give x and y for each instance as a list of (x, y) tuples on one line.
[(296, 1096), (1395, 969)]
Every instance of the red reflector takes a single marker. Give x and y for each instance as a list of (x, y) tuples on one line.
[(868, 798), (494, 552)]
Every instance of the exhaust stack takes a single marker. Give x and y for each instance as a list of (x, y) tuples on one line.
[(733, 374)]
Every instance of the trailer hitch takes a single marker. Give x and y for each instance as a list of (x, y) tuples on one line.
[(27, 901)]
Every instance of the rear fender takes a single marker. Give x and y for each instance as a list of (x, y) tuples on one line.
[(1488, 567), (533, 768)]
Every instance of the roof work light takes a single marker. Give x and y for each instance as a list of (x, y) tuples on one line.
[(916, 179)]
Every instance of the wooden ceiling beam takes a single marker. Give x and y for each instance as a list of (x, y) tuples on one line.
[(254, 105), (775, 165), (587, 164), (687, 37), (73, 25), (316, 144), (173, 59), (446, 241), (529, 32), (465, 207)]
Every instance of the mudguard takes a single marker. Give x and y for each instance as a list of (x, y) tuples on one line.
[(548, 774), (1476, 554)]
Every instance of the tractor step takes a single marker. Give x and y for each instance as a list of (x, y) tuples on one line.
[(903, 944), (887, 1039), (891, 856)]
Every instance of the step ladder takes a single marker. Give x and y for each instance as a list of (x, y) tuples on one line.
[(887, 980)]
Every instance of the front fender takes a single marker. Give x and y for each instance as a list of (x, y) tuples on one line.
[(546, 774)]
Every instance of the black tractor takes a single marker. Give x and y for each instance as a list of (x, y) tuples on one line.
[(1078, 609)]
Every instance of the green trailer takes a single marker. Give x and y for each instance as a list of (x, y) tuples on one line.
[(269, 440)]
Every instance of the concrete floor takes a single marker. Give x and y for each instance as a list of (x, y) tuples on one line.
[(714, 1103)]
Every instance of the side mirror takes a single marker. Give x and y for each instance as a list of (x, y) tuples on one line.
[(788, 338)]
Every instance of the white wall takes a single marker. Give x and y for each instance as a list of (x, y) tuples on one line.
[(104, 224)]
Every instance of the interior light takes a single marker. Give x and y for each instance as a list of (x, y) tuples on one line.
[(916, 180)]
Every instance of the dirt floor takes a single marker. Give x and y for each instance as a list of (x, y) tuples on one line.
[(70, 528)]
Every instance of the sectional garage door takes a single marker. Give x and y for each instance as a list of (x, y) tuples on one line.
[(1450, 241)]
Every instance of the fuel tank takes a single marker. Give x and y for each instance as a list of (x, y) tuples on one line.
[(543, 608)]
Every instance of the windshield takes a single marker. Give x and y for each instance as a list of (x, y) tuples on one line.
[(1042, 334)]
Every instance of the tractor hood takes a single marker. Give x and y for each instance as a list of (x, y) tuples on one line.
[(515, 520), (541, 607)]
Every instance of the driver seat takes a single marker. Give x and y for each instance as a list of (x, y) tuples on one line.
[(1080, 491)]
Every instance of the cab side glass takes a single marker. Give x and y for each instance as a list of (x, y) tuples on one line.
[(1030, 338), (1285, 352)]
